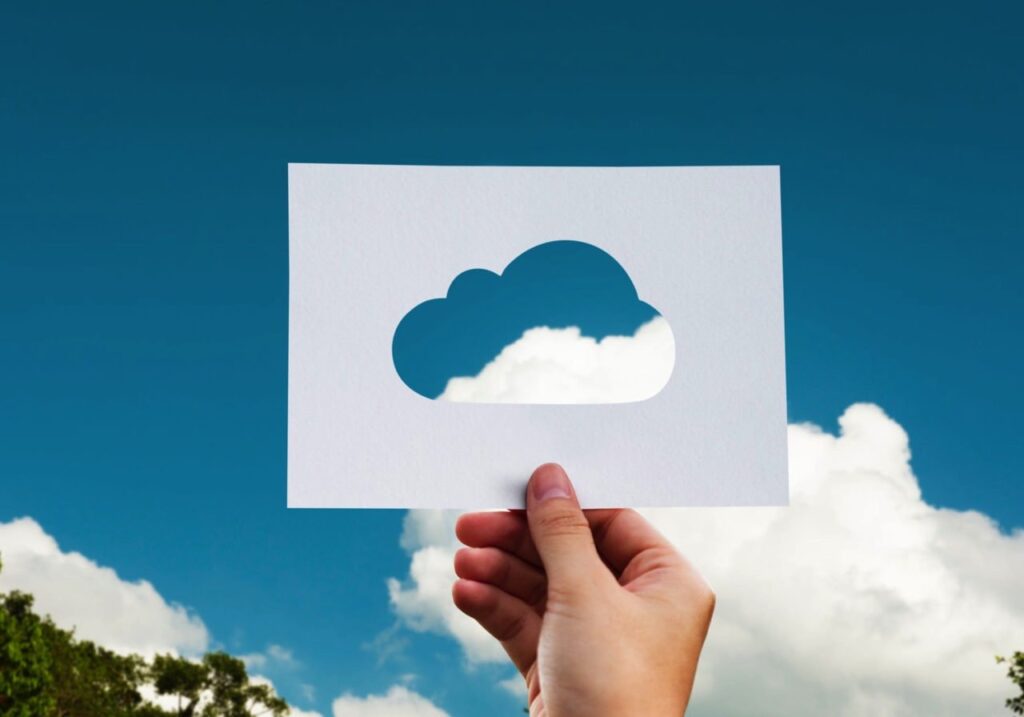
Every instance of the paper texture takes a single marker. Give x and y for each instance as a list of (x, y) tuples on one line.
[(702, 245)]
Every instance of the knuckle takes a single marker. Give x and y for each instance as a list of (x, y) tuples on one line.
[(502, 570), (706, 599), (538, 594), (563, 523), (559, 596), (710, 600), (510, 629)]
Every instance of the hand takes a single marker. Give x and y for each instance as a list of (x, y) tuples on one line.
[(597, 610)]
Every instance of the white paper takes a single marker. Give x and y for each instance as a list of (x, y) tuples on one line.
[(368, 243)]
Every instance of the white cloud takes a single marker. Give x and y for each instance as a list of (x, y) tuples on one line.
[(121, 615), (516, 686), (424, 602), (283, 655), (296, 712), (397, 702), (859, 599), (550, 365), (308, 691), (275, 655)]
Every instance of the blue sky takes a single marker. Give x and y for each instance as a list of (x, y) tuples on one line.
[(143, 255)]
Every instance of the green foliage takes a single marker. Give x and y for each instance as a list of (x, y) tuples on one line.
[(26, 668), (179, 677), (46, 672), (1016, 675), (219, 686), (90, 680)]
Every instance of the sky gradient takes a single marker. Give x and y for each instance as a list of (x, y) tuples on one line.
[(143, 256)]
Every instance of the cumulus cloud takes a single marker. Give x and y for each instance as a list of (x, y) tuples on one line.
[(860, 599), (277, 656), (561, 366), (425, 604), (396, 702), (121, 615), (296, 712), (515, 686), (558, 284)]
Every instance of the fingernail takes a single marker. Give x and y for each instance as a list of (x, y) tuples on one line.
[(550, 481)]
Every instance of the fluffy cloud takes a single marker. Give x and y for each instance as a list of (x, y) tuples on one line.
[(515, 686), (396, 702), (858, 599), (121, 615), (296, 712), (560, 366), (424, 603), (275, 655)]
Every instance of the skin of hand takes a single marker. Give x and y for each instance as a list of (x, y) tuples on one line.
[(600, 614)]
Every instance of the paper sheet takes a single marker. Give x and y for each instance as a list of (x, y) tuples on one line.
[(702, 249)]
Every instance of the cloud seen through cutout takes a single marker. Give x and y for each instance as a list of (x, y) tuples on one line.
[(561, 324)]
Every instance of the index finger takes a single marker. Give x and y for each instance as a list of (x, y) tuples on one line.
[(622, 534), (506, 530)]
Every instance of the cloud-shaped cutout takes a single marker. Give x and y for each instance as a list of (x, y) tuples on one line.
[(561, 324)]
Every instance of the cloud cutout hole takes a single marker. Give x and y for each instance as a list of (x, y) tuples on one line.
[(562, 324)]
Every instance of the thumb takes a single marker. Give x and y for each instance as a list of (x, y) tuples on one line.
[(559, 529)]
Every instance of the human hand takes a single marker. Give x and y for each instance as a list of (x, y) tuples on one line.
[(600, 614)]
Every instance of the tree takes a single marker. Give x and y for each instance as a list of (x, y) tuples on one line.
[(1016, 675), (219, 683), (181, 678), (46, 671), (91, 680), (26, 668)]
